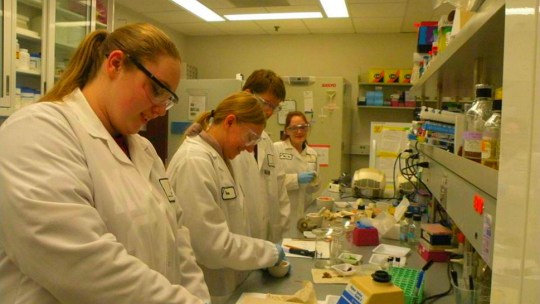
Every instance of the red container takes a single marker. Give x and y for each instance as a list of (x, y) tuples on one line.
[(365, 236), (436, 256)]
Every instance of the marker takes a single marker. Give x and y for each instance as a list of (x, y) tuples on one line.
[(299, 251)]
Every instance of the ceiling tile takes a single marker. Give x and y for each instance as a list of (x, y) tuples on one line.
[(240, 28), (196, 29), (374, 10), (285, 26), (377, 25), (329, 26), (367, 16), (175, 17)]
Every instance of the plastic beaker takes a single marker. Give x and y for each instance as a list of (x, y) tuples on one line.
[(322, 247), (464, 294), (336, 244)]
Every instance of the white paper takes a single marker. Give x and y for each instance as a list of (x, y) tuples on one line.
[(323, 154), (286, 107), (197, 105)]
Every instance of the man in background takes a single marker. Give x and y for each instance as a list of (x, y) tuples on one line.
[(260, 174)]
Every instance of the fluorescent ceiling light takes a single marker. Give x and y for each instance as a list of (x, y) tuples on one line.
[(335, 8), (200, 10), (274, 16)]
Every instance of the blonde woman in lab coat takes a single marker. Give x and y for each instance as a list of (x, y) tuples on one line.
[(86, 212), (301, 166), (205, 184)]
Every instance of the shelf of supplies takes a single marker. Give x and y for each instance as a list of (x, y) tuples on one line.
[(385, 84), (482, 177), (32, 3), (28, 34), (387, 107), (466, 46), (29, 73)]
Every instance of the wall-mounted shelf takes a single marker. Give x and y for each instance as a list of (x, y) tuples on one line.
[(467, 191), (385, 84), (386, 108), (481, 38)]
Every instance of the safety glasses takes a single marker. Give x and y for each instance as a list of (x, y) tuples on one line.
[(267, 104), (299, 128), (161, 94), (251, 138)]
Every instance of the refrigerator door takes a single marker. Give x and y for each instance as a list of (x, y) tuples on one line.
[(196, 96), (326, 102)]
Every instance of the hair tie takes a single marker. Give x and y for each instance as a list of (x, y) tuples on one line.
[(212, 114)]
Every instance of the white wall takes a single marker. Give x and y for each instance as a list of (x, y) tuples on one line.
[(346, 55), (124, 15)]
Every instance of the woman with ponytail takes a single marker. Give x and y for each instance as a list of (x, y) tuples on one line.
[(87, 214), (207, 189)]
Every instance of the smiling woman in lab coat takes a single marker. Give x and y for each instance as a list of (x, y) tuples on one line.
[(201, 175), (86, 212), (301, 166)]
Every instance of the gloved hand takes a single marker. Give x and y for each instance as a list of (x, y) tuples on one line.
[(281, 256), (305, 177)]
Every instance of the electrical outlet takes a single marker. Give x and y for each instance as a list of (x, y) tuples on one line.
[(363, 149)]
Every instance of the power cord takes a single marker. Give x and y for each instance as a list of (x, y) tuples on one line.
[(436, 297)]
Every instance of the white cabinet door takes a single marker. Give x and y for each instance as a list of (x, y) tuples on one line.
[(4, 58)]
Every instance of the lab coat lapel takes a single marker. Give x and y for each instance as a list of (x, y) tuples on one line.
[(141, 157), (261, 149), (89, 120)]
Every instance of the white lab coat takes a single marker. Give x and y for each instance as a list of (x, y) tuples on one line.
[(215, 215), (300, 195), (82, 223), (267, 201)]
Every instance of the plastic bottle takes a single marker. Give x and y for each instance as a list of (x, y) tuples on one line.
[(17, 49), (491, 138), (414, 230), (24, 60), (404, 227), (360, 212), (476, 118)]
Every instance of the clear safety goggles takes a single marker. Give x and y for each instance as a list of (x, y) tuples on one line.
[(161, 94), (267, 103), (251, 138), (297, 128)]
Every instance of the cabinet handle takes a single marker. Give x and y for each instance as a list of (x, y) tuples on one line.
[(44, 88), (7, 85)]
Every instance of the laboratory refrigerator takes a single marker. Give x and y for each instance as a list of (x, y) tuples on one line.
[(326, 102), (196, 96)]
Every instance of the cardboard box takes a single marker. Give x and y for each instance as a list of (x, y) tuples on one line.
[(436, 234), (405, 75), (376, 75), (425, 36), (391, 75)]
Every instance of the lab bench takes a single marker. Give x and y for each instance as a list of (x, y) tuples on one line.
[(436, 278)]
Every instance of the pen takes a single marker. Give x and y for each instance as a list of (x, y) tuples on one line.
[(420, 278)]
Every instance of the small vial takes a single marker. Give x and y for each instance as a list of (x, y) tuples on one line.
[(413, 235), (404, 227)]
